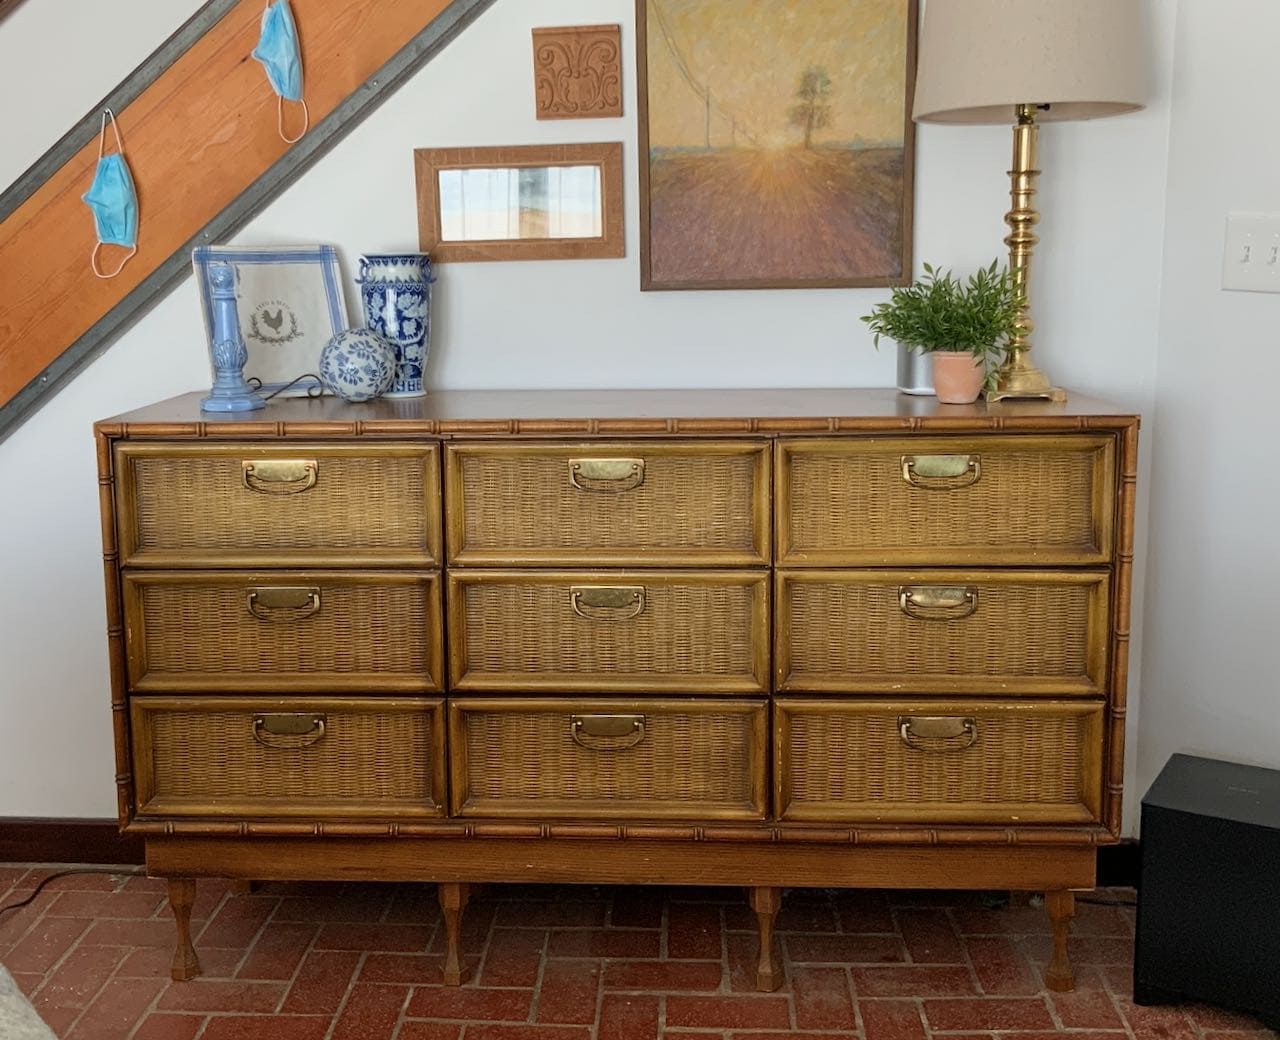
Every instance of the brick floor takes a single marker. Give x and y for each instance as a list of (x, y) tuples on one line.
[(362, 962)]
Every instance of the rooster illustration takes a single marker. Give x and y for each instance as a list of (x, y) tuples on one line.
[(274, 323)]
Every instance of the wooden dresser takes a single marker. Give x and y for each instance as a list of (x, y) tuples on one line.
[(759, 638)]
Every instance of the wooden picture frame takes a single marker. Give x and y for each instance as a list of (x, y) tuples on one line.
[(435, 222), (777, 151)]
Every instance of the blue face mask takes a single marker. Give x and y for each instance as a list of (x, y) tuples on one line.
[(113, 201), (278, 51)]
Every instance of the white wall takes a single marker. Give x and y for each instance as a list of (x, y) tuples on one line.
[(534, 324), (1213, 614)]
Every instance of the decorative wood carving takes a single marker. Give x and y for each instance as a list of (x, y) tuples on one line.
[(577, 72)]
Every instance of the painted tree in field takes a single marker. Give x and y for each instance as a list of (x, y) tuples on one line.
[(812, 110)]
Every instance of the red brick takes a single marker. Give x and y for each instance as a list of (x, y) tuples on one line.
[(413, 968), (1119, 977), (77, 980), (1082, 949), (911, 981), (321, 982), (929, 937), (28, 981), (799, 915), (741, 950), (142, 883), (45, 945), (278, 951), (15, 923), (105, 904), (845, 949), (59, 1019), (414, 904), (513, 957), (169, 1027), (429, 1031), (569, 991), (628, 1018), (470, 1002), (663, 976), (636, 906), (564, 913), (605, 942), (1089, 1006), (693, 931), (1082, 1034), (822, 998), (1221, 1019), (988, 1013), (236, 922), (267, 1027), (159, 932), (891, 1019), (1164, 1023), (1002, 968), (380, 938), (371, 1012), (116, 1009), (1218, 1034), (148, 962), (523, 1032), (202, 995), (864, 912), (699, 1035), (360, 904), (477, 920), (738, 1012), (756, 1035)]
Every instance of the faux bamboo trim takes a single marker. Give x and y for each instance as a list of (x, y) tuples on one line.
[(115, 627)]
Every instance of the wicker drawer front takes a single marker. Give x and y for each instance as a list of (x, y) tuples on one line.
[(609, 504), (941, 631), (630, 631), (313, 757), (938, 761), (286, 631), (1033, 499), (608, 759), (254, 505)]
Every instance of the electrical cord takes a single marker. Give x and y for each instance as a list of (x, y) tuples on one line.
[(68, 873)]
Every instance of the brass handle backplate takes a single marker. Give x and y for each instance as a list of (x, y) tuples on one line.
[(280, 476), (607, 732), (607, 602), (283, 602), (938, 732), (287, 731), (941, 472), (607, 475), (938, 602)]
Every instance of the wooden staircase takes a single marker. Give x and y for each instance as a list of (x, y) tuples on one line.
[(199, 126)]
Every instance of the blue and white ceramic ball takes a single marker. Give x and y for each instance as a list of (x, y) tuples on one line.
[(358, 365)]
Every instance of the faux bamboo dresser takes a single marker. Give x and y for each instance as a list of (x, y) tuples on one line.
[(759, 638)]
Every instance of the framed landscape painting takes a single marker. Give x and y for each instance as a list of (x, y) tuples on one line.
[(776, 142)]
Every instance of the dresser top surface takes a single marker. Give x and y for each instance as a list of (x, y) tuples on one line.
[(621, 411)]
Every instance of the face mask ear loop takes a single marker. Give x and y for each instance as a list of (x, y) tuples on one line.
[(306, 120), (93, 262)]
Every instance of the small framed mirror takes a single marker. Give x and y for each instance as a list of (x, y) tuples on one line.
[(523, 202)]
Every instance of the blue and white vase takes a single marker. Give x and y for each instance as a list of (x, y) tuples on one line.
[(358, 365), (395, 291)]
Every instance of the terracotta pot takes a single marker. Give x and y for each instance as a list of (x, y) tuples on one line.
[(957, 376)]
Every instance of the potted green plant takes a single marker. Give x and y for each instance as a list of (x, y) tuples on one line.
[(964, 326)]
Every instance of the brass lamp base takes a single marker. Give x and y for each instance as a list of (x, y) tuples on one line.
[(1019, 378)]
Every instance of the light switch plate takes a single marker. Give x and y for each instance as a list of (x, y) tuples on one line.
[(1251, 258)]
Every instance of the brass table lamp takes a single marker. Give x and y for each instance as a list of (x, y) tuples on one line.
[(1027, 62)]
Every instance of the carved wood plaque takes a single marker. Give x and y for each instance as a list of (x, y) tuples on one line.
[(577, 72)]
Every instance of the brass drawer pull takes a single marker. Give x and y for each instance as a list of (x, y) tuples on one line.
[(280, 476), (607, 732), (941, 472), (283, 602), (287, 731), (938, 602), (607, 602), (938, 732), (610, 475)]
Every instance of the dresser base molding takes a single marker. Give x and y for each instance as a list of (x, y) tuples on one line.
[(458, 864)]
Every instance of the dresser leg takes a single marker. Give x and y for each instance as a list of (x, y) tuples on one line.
[(1061, 905), (453, 899), (766, 902), (182, 893)]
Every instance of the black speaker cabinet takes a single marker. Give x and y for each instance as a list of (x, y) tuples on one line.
[(1209, 893)]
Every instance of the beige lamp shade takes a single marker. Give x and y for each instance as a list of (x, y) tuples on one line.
[(981, 58)]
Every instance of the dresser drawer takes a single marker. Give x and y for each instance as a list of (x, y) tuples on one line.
[(256, 505), (313, 756), (938, 761), (1026, 499), (609, 759), (283, 631), (613, 503), (942, 631), (629, 631)]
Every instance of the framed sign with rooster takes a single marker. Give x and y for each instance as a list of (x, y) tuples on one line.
[(290, 304)]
